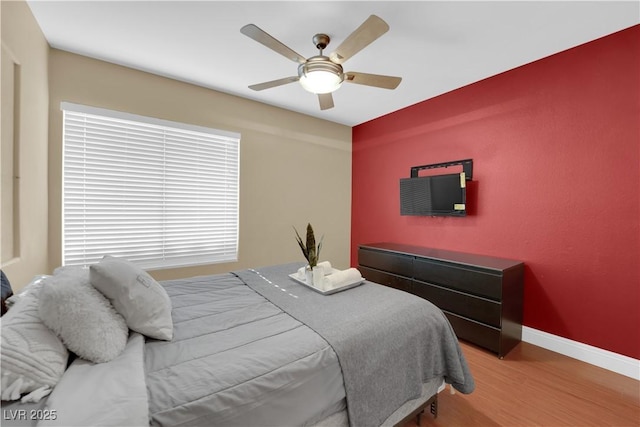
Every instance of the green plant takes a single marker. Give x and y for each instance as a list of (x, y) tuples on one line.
[(309, 250)]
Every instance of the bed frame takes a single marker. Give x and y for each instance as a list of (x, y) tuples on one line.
[(432, 403)]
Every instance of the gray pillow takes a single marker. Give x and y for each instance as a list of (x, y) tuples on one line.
[(141, 300), (81, 316), (6, 291), (33, 358)]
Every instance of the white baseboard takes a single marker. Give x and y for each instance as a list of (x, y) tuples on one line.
[(615, 362)]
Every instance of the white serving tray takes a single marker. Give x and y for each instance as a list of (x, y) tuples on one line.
[(295, 277)]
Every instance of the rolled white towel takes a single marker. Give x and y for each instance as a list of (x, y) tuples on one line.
[(325, 265), (341, 278)]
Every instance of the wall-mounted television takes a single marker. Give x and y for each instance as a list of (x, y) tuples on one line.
[(435, 195)]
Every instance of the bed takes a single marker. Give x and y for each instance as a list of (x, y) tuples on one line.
[(256, 348)]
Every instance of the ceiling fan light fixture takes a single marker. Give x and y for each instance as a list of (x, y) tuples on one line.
[(320, 75), (323, 75), (320, 82)]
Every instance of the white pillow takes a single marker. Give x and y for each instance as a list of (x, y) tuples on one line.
[(141, 300), (103, 394), (82, 317), (33, 357)]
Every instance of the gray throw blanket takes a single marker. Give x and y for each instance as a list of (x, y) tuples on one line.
[(388, 342)]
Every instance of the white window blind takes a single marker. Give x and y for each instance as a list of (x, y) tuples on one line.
[(158, 193)]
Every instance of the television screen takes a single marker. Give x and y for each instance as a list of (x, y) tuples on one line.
[(436, 195)]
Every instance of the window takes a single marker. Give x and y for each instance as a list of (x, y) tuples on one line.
[(158, 193)]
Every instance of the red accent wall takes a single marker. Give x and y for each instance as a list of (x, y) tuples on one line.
[(556, 183)]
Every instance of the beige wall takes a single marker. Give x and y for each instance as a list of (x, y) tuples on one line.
[(24, 144), (294, 168)]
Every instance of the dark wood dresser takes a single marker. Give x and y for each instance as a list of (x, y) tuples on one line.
[(480, 295)]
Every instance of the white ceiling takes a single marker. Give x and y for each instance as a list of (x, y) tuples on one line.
[(434, 46)]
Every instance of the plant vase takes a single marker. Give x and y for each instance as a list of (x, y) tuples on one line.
[(314, 277)]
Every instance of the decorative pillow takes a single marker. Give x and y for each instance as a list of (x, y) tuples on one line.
[(33, 286), (141, 300), (6, 291), (33, 358), (81, 316)]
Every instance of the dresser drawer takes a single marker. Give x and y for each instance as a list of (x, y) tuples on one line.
[(459, 277), (473, 307), (477, 333), (386, 279), (385, 261)]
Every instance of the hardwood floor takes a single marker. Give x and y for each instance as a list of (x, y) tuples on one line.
[(533, 386)]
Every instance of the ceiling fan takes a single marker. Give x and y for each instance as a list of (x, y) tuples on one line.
[(322, 74)]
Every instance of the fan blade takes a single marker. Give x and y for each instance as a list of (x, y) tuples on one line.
[(326, 100), (262, 37), (385, 82), (274, 83), (364, 35)]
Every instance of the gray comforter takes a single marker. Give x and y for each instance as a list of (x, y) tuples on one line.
[(388, 342), (238, 360)]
